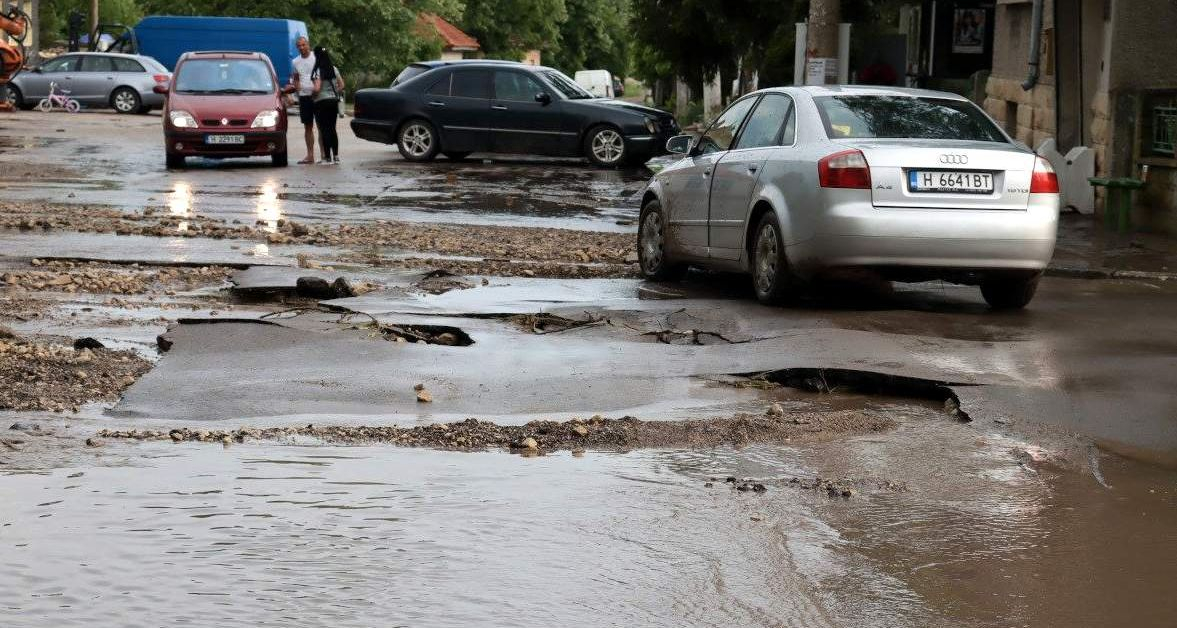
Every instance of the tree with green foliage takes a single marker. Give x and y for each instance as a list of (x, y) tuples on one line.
[(507, 29), (596, 35)]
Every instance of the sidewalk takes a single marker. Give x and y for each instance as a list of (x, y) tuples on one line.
[(1086, 250)]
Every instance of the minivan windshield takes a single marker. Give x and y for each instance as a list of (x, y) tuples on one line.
[(878, 116), (565, 85), (224, 76)]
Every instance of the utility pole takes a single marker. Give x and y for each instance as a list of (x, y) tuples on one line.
[(93, 15), (821, 38)]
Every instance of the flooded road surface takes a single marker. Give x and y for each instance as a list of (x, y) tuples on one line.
[(76, 166), (266, 535)]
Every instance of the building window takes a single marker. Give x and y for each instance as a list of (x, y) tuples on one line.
[(1158, 134), (1164, 127)]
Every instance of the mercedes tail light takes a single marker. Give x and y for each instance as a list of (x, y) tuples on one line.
[(1044, 180), (847, 169)]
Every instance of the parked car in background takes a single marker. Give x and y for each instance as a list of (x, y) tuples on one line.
[(599, 83), (793, 184), (224, 104), (95, 79), (458, 108)]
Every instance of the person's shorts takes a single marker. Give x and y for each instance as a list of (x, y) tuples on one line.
[(306, 110)]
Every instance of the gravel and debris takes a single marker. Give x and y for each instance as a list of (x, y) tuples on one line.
[(37, 375), (598, 433), (493, 243), (101, 278)]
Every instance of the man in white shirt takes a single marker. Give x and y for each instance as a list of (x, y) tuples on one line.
[(302, 66)]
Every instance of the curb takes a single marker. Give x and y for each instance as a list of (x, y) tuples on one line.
[(1075, 272)]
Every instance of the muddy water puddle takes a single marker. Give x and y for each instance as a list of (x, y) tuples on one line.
[(987, 533)]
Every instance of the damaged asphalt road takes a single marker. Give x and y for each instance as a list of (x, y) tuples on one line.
[(300, 389)]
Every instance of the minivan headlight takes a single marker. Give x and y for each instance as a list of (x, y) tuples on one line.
[(265, 119), (182, 120)]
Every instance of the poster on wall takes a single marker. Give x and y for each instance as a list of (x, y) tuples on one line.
[(968, 31)]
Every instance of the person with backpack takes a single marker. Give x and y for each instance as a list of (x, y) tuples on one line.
[(328, 90)]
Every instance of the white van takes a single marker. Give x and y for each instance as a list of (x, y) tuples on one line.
[(599, 83)]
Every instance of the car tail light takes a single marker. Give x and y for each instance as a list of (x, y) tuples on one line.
[(161, 78), (1044, 180), (847, 169)]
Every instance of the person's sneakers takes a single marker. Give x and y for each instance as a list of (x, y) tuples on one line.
[(338, 161)]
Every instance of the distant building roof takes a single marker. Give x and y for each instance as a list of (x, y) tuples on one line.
[(451, 36)]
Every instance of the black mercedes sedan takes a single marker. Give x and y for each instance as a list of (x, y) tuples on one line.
[(457, 108)]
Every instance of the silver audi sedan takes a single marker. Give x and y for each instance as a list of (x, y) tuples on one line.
[(794, 184)]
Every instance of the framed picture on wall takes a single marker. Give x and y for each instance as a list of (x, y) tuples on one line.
[(968, 31)]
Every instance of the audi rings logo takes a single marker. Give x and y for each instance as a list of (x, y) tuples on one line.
[(956, 160)]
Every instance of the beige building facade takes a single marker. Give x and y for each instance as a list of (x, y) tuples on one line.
[(1107, 80)]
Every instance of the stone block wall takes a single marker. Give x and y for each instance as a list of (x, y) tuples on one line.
[(1035, 115)]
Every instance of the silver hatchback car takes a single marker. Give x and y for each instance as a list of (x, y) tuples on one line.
[(796, 183), (94, 79)]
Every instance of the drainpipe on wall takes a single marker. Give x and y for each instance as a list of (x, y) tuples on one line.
[(1035, 45)]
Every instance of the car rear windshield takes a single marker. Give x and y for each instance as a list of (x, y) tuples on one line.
[(153, 65), (224, 76), (905, 117), (409, 72)]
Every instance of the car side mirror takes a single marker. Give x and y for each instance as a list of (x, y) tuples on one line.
[(679, 144), (543, 98), (160, 88)]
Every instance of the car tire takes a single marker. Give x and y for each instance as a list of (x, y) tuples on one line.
[(417, 140), (604, 146), (175, 162), (771, 277), (453, 156), (125, 100), (279, 159), (15, 97), (652, 256), (1009, 292)]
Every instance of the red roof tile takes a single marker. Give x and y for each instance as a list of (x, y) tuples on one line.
[(451, 35)]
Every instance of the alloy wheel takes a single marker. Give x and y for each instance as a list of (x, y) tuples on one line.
[(124, 101), (652, 242), (608, 146), (418, 139), (767, 254)]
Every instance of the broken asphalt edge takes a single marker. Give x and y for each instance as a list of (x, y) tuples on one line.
[(1081, 272)]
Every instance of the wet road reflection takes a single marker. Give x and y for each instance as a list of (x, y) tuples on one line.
[(269, 208), (346, 536)]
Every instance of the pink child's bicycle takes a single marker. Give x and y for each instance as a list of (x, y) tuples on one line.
[(58, 98)]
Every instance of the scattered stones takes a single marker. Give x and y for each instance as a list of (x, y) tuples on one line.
[(6, 333), (319, 288), (59, 378), (486, 241), (94, 442), (580, 430), (442, 281), (424, 396), (776, 410), (87, 343), (164, 343)]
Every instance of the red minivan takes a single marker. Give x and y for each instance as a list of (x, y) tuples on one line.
[(223, 104)]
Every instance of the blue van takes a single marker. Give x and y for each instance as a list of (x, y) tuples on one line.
[(167, 37)]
